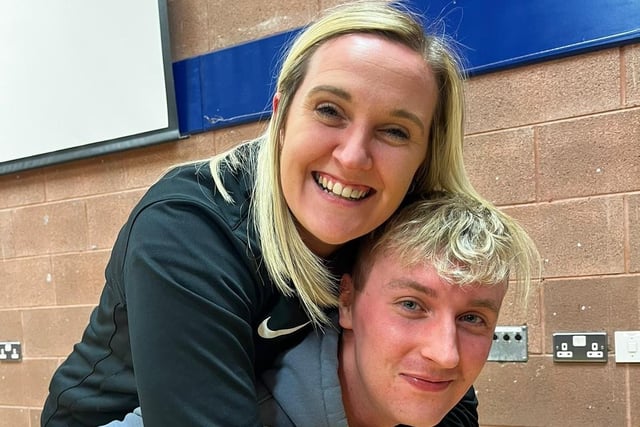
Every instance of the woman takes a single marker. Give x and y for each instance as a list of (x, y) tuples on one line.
[(221, 266)]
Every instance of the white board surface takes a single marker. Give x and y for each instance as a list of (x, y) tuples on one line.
[(78, 72)]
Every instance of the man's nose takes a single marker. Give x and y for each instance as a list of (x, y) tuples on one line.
[(441, 344)]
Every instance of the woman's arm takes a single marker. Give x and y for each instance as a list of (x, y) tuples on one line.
[(190, 297)]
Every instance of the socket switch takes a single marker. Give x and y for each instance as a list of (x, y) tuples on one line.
[(627, 346)]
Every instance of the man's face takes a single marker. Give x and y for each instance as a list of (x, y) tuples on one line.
[(412, 343)]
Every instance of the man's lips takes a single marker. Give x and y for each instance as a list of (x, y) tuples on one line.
[(432, 384)]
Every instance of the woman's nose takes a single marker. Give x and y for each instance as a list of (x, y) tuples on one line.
[(354, 151)]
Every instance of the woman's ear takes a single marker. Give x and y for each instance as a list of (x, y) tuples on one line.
[(275, 102), (346, 301)]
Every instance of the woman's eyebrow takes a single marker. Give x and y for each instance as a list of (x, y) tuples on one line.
[(341, 93), (331, 89)]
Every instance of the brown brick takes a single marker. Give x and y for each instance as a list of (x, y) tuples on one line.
[(187, 26), (514, 312), (596, 304), (553, 90), (202, 146), (53, 228), (7, 235), (633, 202), (14, 417), (501, 165), (541, 393), (144, 166), (79, 278), (92, 176), (106, 215), (53, 332), (34, 416), (632, 74), (11, 325), (244, 21), (26, 282), (230, 137), (634, 390), (25, 383), (21, 188), (594, 155), (325, 4), (576, 237)]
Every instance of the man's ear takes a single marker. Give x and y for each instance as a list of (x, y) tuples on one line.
[(347, 294)]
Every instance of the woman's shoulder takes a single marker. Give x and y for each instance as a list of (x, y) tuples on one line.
[(186, 202), (193, 185)]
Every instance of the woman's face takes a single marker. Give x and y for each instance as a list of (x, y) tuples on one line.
[(355, 134)]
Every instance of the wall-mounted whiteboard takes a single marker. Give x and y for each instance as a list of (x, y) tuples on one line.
[(80, 78)]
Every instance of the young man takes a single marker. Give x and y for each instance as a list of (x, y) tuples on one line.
[(417, 317), (414, 326)]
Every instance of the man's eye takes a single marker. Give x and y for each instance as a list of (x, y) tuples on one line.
[(472, 318), (410, 305)]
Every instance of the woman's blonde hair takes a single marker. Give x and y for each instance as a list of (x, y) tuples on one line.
[(293, 267)]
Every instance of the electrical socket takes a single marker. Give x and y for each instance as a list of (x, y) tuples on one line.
[(510, 344), (580, 347), (10, 351)]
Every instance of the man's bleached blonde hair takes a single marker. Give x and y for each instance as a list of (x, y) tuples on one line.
[(468, 242), (292, 266)]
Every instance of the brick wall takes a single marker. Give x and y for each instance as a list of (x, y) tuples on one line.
[(556, 144)]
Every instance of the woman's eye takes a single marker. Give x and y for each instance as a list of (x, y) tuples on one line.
[(397, 133), (327, 110)]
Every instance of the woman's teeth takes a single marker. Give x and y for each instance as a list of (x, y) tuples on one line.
[(341, 190)]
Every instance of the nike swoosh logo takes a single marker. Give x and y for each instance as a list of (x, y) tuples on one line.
[(266, 333)]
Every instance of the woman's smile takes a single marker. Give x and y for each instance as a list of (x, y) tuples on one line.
[(354, 136)]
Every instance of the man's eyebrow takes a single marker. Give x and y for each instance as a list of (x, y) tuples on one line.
[(412, 284), (331, 89), (485, 303), (430, 292)]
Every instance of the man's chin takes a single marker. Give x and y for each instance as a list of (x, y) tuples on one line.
[(429, 418)]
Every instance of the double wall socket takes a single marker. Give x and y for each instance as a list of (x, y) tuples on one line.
[(510, 344), (580, 347), (10, 351)]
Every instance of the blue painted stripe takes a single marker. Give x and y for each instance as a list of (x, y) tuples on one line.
[(496, 34), (235, 85)]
